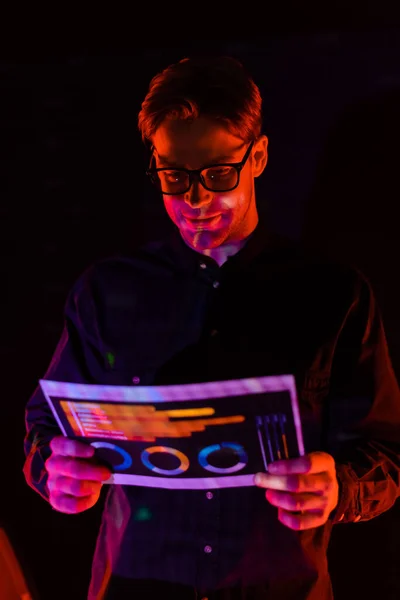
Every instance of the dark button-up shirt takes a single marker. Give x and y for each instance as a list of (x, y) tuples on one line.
[(168, 315)]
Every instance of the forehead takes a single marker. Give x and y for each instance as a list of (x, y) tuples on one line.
[(195, 143)]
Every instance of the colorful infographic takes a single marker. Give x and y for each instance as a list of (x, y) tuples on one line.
[(192, 436)]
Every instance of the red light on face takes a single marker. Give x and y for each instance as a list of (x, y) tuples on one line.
[(197, 224)]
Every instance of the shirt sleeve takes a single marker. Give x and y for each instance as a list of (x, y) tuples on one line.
[(363, 414), (71, 362)]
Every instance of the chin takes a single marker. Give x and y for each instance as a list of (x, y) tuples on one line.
[(204, 240)]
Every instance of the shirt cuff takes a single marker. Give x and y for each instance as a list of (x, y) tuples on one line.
[(347, 509)]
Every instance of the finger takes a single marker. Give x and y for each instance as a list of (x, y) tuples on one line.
[(296, 502), (73, 487), (319, 483), (299, 522), (66, 447), (77, 468), (71, 504), (315, 462)]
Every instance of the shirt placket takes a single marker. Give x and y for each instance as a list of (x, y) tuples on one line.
[(209, 517), (208, 540)]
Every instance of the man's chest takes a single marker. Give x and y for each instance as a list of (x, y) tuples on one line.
[(176, 330)]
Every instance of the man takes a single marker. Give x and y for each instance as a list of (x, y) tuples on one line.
[(223, 298)]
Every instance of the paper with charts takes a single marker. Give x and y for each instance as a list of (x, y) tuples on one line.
[(192, 436)]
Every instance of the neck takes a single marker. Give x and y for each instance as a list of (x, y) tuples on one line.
[(230, 248)]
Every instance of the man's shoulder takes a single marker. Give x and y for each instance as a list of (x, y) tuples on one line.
[(320, 283), (125, 270), (311, 263)]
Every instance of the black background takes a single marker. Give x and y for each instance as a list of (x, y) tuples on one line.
[(73, 190)]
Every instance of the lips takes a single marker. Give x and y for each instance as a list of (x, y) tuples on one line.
[(201, 218), (204, 223)]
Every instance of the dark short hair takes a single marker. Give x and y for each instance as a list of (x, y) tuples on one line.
[(215, 87)]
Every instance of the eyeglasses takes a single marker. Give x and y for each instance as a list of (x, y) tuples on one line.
[(222, 177)]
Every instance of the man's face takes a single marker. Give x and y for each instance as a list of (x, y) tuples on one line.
[(204, 142)]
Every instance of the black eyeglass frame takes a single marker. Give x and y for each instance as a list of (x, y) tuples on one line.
[(196, 173)]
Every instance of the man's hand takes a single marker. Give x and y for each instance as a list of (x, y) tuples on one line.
[(75, 476), (307, 484)]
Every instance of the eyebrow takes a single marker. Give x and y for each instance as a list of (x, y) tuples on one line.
[(217, 159)]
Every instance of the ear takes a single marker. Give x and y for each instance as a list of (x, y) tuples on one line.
[(260, 155)]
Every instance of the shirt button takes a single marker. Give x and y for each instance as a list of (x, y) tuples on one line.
[(203, 266), (136, 379), (207, 549), (216, 284), (210, 495)]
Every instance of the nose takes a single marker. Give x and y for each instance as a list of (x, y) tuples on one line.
[(197, 196)]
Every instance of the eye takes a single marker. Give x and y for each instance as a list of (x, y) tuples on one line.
[(216, 173), (173, 176)]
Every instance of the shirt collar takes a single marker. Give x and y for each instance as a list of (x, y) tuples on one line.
[(184, 258)]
